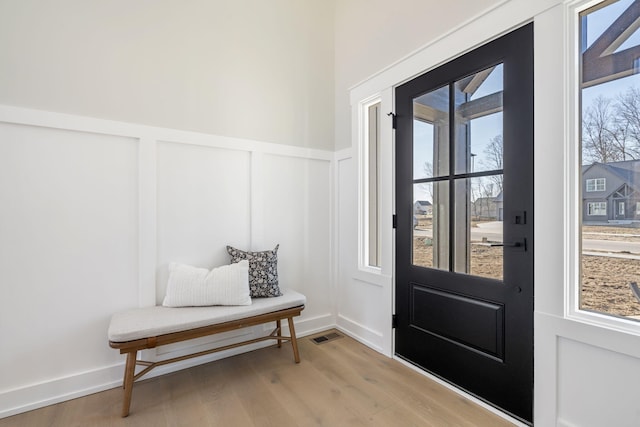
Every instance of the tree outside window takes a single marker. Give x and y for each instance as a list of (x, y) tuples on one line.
[(610, 147)]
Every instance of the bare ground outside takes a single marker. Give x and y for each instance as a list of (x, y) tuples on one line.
[(605, 277)]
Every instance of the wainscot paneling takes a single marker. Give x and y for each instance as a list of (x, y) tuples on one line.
[(363, 299), (68, 249), (296, 201), (586, 373), (203, 199), (91, 213)]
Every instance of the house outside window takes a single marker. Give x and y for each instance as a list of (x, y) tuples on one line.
[(597, 208), (609, 114), (597, 184)]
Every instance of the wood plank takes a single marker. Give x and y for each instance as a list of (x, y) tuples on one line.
[(340, 382), (313, 399), (217, 395), (434, 399), (257, 399)]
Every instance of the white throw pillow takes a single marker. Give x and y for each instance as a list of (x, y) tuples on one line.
[(191, 286)]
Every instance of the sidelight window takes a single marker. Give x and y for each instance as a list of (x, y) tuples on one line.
[(370, 149), (610, 146)]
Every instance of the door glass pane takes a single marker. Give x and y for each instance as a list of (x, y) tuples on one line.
[(478, 121), (477, 208), (431, 134), (478, 229), (431, 225)]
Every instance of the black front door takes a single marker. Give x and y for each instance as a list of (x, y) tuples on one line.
[(464, 265)]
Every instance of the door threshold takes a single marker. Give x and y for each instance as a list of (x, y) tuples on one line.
[(463, 393)]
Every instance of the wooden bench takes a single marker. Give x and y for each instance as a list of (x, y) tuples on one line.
[(149, 327)]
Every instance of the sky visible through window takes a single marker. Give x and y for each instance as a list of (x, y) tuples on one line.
[(597, 23), (482, 130), (609, 120)]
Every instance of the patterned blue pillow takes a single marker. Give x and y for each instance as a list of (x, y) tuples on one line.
[(263, 271)]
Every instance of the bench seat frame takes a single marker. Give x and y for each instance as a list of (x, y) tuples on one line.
[(131, 348)]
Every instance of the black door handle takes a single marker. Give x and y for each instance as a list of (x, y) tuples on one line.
[(522, 244)]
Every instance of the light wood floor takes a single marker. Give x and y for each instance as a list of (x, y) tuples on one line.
[(338, 383)]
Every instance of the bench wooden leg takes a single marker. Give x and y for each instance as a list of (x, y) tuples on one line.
[(129, 372), (294, 342), (279, 327)]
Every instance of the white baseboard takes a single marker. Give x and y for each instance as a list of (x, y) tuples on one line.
[(47, 393), (28, 398), (361, 333), (313, 325)]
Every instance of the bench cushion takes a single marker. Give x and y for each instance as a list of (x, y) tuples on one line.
[(146, 322)]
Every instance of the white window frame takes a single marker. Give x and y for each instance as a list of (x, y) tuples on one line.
[(574, 180), (380, 276), (363, 187), (597, 184)]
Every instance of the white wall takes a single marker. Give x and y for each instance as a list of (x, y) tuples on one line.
[(92, 213), (68, 249), (365, 294), (371, 35), (363, 306), (104, 180), (250, 69)]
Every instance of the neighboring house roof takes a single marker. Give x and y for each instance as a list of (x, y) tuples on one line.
[(423, 202), (627, 170), (486, 200)]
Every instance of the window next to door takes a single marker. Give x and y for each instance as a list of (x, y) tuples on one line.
[(370, 247), (608, 46)]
